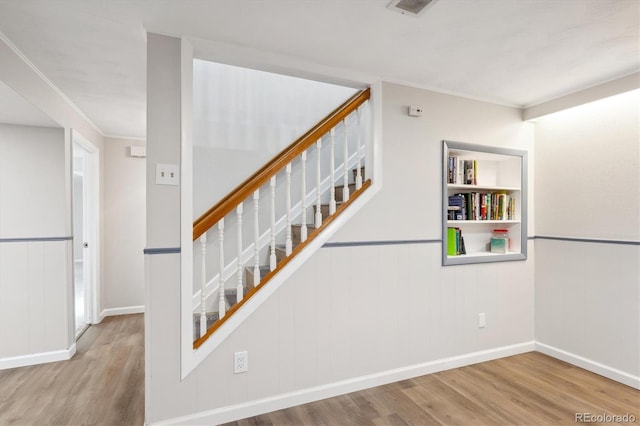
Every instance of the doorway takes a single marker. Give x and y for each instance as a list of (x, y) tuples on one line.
[(84, 235)]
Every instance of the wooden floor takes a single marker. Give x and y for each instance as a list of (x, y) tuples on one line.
[(528, 389), (103, 384)]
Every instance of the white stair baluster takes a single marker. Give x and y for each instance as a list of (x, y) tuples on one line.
[(288, 242), (240, 287), (221, 304), (359, 155), (203, 288), (332, 172), (303, 228), (272, 257), (318, 218), (345, 181), (256, 238)]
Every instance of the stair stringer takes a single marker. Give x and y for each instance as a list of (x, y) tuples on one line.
[(252, 304)]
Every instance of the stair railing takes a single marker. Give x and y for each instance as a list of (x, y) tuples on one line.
[(249, 193)]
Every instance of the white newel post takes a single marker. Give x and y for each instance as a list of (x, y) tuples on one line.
[(345, 180), (256, 238), (332, 173), (239, 287), (318, 218), (272, 256), (288, 242), (203, 285), (359, 154), (221, 304), (303, 228)]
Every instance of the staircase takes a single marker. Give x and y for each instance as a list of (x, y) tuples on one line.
[(256, 262)]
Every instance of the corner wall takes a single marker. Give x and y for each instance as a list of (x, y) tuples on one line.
[(124, 215), (588, 236)]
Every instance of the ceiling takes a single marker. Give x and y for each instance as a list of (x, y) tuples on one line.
[(512, 52)]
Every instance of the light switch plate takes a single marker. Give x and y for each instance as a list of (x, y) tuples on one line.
[(167, 174)]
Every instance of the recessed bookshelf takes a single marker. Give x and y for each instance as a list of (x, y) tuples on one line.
[(484, 204)]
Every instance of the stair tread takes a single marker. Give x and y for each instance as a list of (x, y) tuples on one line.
[(263, 268), (233, 291), (342, 186), (327, 204)]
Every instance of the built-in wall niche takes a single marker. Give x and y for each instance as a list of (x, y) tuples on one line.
[(484, 204)]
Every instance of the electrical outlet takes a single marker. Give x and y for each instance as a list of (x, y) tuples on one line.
[(481, 320), (167, 174), (240, 362)]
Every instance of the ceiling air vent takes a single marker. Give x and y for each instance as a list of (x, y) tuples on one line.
[(410, 7)]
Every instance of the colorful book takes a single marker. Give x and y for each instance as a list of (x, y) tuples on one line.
[(452, 242)]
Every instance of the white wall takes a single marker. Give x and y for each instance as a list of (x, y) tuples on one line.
[(21, 75), (588, 187), (242, 118), (350, 317), (35, 246), (124, 227), (32, 184)]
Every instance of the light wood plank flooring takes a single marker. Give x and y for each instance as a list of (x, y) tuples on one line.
[(103, 384), (527, 389)]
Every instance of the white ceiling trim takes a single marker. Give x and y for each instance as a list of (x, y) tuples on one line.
[(449, 92), (44, 78), (128, 138)]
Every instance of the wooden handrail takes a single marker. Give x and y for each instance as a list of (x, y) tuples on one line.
[(249, 186)]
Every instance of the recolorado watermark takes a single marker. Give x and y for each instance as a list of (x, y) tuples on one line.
[(604, 418)]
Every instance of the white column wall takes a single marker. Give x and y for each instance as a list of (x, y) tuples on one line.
[(588, 187), (351, 317)]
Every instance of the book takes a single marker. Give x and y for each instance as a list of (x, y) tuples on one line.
[(457, 200), (475, 172), (452, 242), (463, 250), (451, 171), (468, 172)]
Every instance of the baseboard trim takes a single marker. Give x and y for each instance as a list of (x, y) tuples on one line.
[(590, 365), (278, 402), (38, 358), (121, 311)]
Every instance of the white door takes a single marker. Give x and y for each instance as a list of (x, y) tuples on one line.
[(83, 230)]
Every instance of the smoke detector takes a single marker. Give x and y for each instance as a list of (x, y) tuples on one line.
[(410, 7)]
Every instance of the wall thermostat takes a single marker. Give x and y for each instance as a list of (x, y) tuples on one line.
[(415, 111)]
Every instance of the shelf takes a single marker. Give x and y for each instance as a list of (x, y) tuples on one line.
[(496, 222), (497, 171), (482, 253), (484, 257), (454, 186)]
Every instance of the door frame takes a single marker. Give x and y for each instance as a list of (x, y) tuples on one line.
[(91, 225)]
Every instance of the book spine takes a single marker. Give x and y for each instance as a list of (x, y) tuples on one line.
[(475, 172), (450, 170)]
